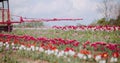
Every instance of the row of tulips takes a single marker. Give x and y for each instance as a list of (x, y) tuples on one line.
[(102, 46), (68, 52), (84, 28), (44, 40), (29, 40)]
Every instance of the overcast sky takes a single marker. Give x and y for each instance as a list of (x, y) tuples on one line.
[(86, 9)]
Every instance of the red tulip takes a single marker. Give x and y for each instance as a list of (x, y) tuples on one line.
[(105, 55), (115, 54)]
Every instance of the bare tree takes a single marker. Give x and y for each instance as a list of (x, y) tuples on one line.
[(110, 9)]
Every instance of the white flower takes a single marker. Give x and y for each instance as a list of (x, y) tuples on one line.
[(97, 58), (52, 51), (89, 56), (7, 46), (22, 47), (33, 48), (84, 57), (71, 52), (12, 44), (13, 47), (56, 53), (80, 55), (6, 43), (17, 47), (1, 44), (56, 50), (66, 53), (28, 49), (102, 61), (37, 48), (113, 59), (41, 49), (60, 53), (48, 52)]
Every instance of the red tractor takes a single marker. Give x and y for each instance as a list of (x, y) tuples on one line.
[(5, 22)]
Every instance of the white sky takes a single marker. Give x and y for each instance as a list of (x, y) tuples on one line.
[(85, 9)]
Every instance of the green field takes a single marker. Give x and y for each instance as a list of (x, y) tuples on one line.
[(36, 57)]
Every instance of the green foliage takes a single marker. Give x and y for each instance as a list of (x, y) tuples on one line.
[(111, 22), (102, 22), (8, 59)]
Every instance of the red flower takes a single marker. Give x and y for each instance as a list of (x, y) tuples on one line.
[(104, 55), (67, 49), (76, 44), (115, 54), (86, 52)]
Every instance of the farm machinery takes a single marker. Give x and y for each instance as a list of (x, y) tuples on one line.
[(6, 23)]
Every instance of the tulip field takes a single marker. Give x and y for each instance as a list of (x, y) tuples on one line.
[(61, 44)]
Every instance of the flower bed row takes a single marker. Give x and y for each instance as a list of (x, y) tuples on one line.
[(26, 38), (91, 28), (68, 52), (44, 45), (102, 46)]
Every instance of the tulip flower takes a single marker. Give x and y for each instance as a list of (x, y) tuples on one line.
[(98, 58), (105, 55), (115, 54)]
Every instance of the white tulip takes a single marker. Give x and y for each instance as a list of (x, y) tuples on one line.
[(13, 47), (17, 47), (113, 59), (1, 44), (7, 46), (12, 44), (62, 52), (28, 49), (6, 43), (56, 53), (102, 61), (37, 48), (66, 53), (56, 50), (33, 48), (41, 49), (84, 57), (24, 48), (80, 55), (89, 56), (20, 48), (71, 52), (97, 58)]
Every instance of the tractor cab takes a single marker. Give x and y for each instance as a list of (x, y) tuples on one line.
[(5, 23)]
